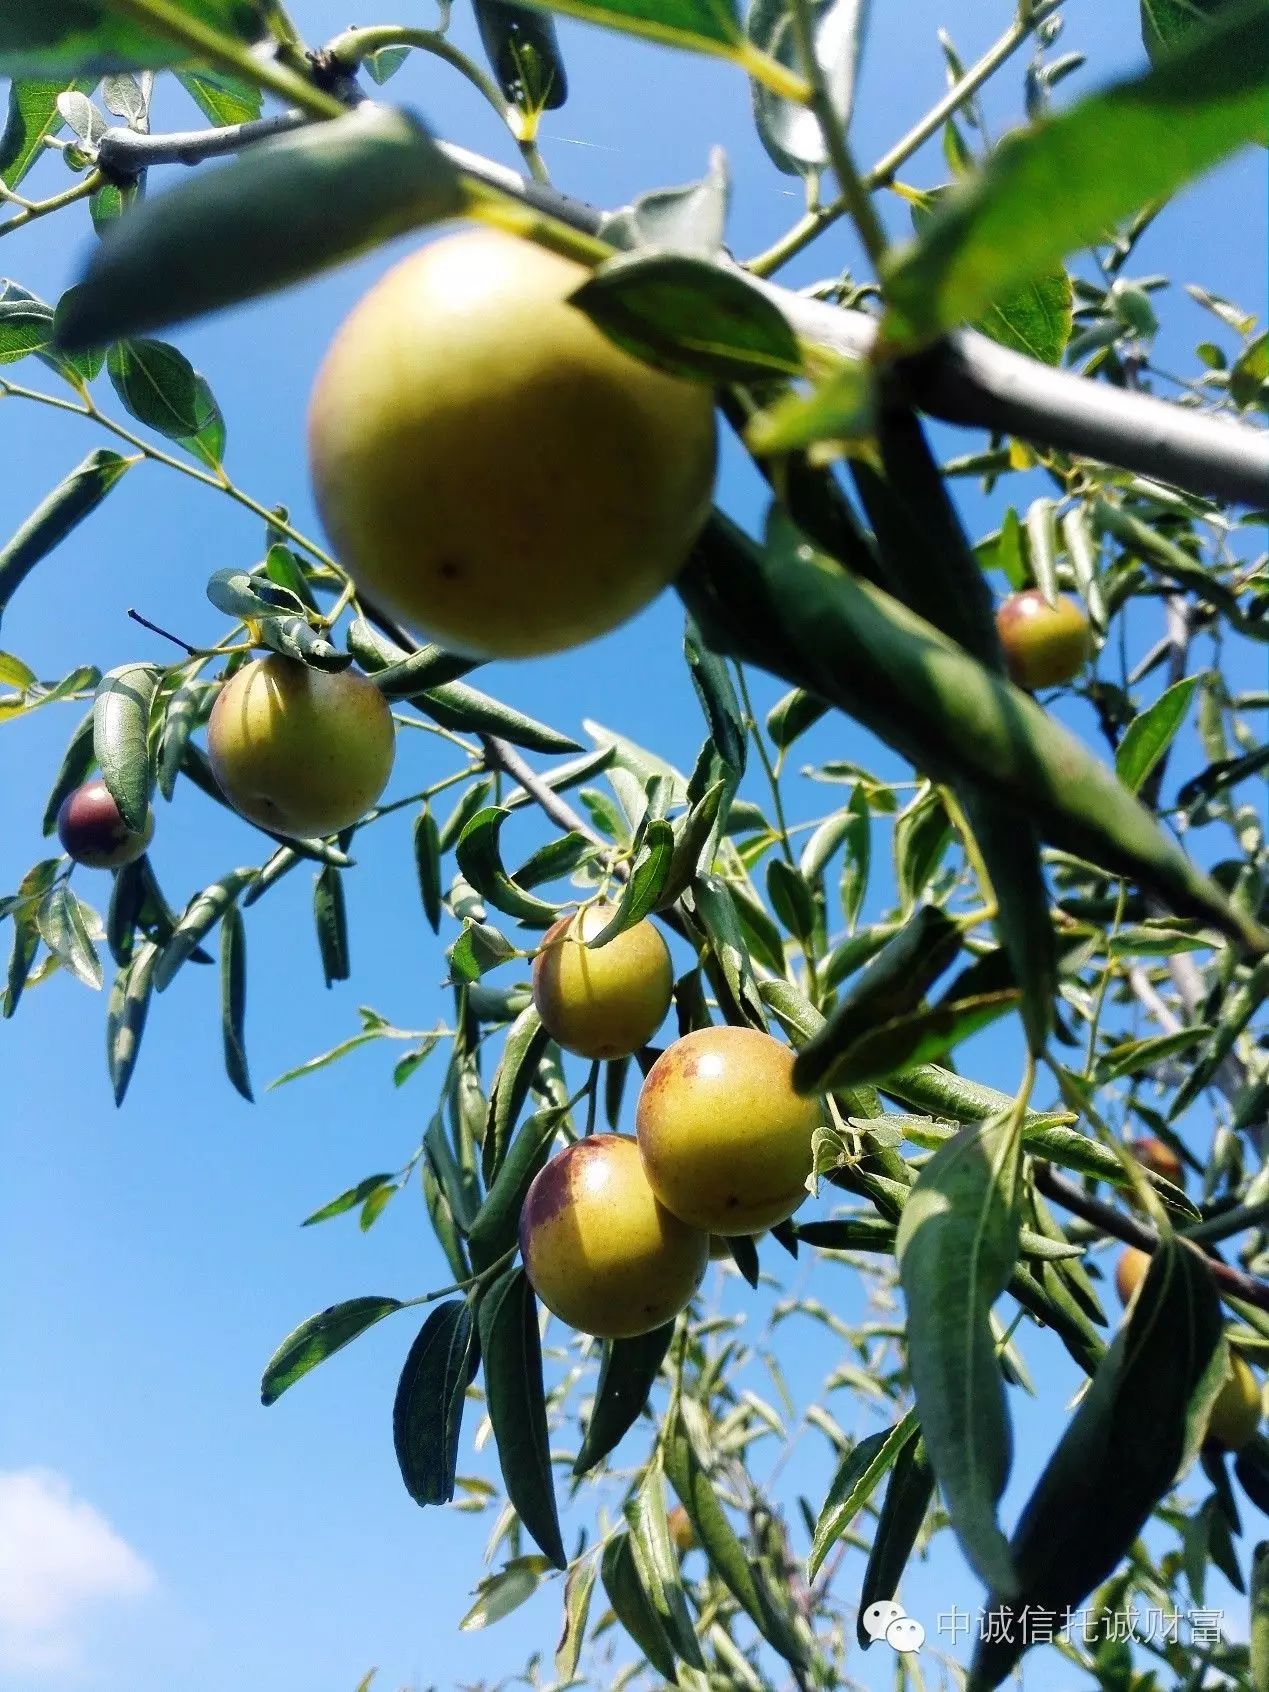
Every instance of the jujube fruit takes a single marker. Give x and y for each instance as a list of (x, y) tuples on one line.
[(1045, 642), (492, 469), (91, 828), (598, 1248), (1236, 1412), (724, 1138), (300, 751), (1159, 1158), (603, 1002), (1130, 1271)]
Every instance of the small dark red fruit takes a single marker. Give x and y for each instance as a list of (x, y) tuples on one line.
[(1045, 642), (93, 832)]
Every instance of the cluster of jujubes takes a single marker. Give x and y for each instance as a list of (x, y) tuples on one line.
[(616, 1231)]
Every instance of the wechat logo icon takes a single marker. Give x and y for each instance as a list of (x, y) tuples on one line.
[(889, 1621)]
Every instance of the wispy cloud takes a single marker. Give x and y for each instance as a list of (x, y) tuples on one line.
[(60, 1561)]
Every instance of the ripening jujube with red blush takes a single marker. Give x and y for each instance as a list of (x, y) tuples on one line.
[(1045, 642), (724, 1138), (91, 829), (598, 1248), (300, 751), (495, 471), (602, 1001)]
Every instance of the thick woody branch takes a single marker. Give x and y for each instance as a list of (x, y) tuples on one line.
[(966, 379), (1233, 1283)]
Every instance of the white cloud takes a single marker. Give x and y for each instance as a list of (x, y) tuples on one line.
[(59, 1560)]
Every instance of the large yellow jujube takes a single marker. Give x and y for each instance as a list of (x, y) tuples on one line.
[(300, 751), (598, 1248), (492, 469), (603, 1002), (1235, 1415), (724, 1138)]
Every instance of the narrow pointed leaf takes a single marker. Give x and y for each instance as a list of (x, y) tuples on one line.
[(233, 999), (626, 1378), (51, 521), (957, 1245), (427, 1414), (319, 1338), (512, 1356)]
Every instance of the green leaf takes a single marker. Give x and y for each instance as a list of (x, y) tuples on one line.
[(427, 864), (897, 978), (202, 914), (1036, 319), (840, 407), (243, 593), (703, 26), (330, 918), (76, 766), (860, 1473), (902, 1512), (1136, 1057), (1066, 181), (731, 1561), (349, 1200), (690, 219), (497, 1595), (789, 130), (319, 1338), (222, 98), (52, 520), (33, 116), (121, 726), (480, 861), (26, 934), (427, 1414), (632, 1607), (521, 1054), (493, 1229), (187, 707), (161, 388), (1151, 732), (1103, 1480), (126, 1012), (579, 1583), (71, 37), (60, 918), (626, 1377), (512, 1356), (295, 637), (524, 54), (824, 629), (690, 317), (1166, 22), (645, 890), (233, 998), (281, 211), (716, 911), (658, 1566), (922, 835), (454, 705), (957, 1245), (919, 1037)]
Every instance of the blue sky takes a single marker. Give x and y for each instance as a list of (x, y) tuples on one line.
[(155, 1256)]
